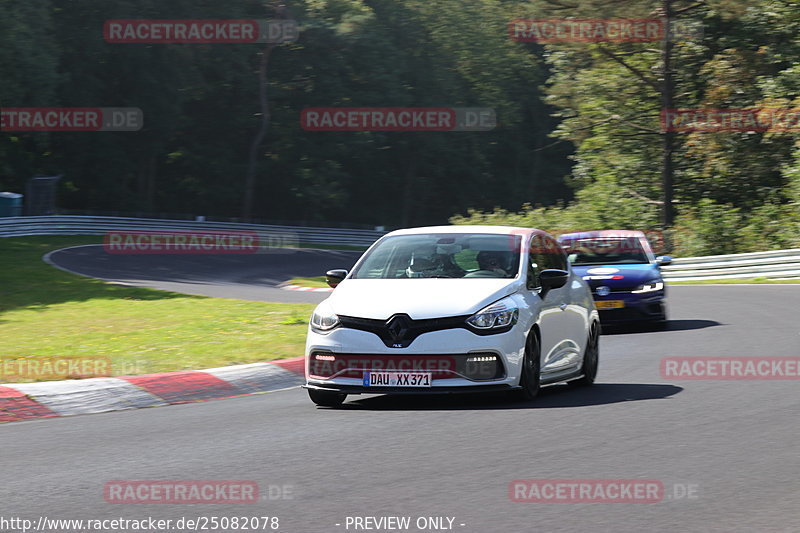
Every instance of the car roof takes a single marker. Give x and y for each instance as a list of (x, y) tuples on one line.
[(497, 230)]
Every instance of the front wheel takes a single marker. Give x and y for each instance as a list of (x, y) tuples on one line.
[(591, 358), (326, 398), (661, 324), (530, 376)]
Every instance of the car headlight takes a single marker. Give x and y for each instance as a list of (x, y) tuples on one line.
[(502, 314), (323, 319), (650, 286)]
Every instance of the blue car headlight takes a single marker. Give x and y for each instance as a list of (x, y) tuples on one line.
[(501, 315), (650, 286)]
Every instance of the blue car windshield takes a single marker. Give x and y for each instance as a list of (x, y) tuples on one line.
[(605, 251), (447, 255)]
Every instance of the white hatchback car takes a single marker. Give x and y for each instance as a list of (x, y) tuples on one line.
[(453, 309)]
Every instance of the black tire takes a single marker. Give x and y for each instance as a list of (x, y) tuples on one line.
[(326, 398), (530, 377), (591, 358), (661, 323)]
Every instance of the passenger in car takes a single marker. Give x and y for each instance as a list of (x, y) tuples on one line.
[(492, 261)]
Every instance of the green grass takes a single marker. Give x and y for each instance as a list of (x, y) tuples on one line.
[(757, 281), (45, 312), (318, 281)]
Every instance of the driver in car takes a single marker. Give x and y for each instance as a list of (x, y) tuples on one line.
[(433, 266), (491, 262)]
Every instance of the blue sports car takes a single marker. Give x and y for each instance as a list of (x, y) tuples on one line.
[(623, 273)]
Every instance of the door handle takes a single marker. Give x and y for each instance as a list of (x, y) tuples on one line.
[(562, 306)]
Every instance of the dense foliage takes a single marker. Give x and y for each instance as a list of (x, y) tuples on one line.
[(578, 143), (734, 191), (201, 110)]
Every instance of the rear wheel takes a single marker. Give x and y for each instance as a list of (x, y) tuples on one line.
[(591, 356), (530, 376), (326, 398)]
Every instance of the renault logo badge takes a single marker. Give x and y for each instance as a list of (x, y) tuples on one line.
[(398, 327)]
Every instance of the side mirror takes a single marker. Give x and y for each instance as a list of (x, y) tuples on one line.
[(663, 260), (552, 279), (335, 277)]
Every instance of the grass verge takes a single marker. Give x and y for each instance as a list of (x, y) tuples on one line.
[(316, 282), (48, 313)]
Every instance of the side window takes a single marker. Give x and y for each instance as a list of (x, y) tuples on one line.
[(545, 253), (536, 262), (555, 255)]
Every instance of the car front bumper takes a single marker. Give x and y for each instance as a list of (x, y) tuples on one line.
[(350, 389), (637, 307), (449, 355)]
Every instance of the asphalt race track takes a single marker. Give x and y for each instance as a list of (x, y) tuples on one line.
[(727, 452), (243, 276)]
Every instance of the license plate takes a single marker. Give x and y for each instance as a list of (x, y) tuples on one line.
[(397, 379), (609, 304)]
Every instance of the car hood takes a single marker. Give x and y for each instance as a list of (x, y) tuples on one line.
[(610, 274), (418, 298)]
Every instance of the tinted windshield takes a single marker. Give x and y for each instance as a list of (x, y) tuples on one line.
[(605, 251), (460, 255)]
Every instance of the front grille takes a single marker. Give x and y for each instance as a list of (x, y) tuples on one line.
[(401, 330), (614, 290), (630, 313), (620, 314), (482, 366), (617, 291)]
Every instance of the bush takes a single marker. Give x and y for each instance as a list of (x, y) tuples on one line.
[(708, 228)]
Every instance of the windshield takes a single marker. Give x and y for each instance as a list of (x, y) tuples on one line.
[(605, 251), (458, 255)]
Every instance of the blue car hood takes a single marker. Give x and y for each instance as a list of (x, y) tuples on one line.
[(610, 274)]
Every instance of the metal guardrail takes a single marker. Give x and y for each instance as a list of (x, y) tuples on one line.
[(87, 225), (775, 264)]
